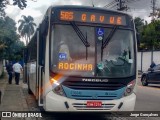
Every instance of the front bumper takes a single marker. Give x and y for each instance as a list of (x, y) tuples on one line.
[(56, 103)]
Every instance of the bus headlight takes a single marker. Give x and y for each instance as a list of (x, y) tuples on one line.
[(59, 90), (129, 88)]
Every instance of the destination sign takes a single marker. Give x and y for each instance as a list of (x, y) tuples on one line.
[(90, 17), (75, 66)]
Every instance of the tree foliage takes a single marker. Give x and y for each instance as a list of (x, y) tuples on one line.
[(150, 37), (20, 3), (26, 27), (3, 3), (10, 45)]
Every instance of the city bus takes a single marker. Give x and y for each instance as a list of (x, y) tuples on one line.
[(83, 59)]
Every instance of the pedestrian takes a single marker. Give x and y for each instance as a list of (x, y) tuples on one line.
[(17, 68), (10, 72)]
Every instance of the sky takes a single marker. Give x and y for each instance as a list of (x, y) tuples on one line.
[(37, 8)]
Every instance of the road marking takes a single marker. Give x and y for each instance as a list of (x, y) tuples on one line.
[(150, 87)]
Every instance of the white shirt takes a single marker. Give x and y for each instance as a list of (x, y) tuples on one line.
[(17, 68)]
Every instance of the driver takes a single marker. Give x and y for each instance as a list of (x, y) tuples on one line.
[(63, 49)]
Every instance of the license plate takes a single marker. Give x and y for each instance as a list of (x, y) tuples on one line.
[(94, 103)]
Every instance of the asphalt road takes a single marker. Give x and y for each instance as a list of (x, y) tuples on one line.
[(148, 97)]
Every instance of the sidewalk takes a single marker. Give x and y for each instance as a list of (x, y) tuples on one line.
[(12, 96)]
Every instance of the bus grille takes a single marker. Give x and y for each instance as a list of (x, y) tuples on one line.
[(81, 106), (80, 85)]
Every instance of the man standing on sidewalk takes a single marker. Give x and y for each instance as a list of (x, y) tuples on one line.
[(10, 71), (17, 68)]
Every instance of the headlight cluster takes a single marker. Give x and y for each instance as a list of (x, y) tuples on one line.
[(57, 88), (129, 88)]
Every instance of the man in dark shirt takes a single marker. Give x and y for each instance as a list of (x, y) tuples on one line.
[(9, 70)]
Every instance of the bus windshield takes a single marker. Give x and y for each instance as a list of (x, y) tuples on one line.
[(71, 57), (117, 58)]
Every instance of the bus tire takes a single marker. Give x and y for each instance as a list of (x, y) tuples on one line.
[(144, 81)]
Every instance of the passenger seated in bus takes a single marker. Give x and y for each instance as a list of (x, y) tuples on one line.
[(64, 53)]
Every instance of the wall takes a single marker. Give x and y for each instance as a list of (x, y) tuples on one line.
[(146, 59)]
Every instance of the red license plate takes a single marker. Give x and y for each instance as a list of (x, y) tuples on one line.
[(94, 103)]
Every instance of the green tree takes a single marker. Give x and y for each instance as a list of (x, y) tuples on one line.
[(10, 44), (151, 37), (3, 3), (26, 27), (20, 3)]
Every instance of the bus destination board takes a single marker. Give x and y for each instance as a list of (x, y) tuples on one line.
[(92, 17)]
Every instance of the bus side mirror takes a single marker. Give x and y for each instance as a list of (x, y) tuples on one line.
[(138, 38)]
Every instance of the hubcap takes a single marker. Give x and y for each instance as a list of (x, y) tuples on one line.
[(144, 81)]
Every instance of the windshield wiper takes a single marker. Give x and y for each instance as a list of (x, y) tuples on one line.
[(81, 36), (105, 43), (109, 37)]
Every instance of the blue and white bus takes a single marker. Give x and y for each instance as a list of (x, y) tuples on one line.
[(83, 59)]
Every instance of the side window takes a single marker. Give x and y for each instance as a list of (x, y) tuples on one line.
[(32, 49), (157, 67)]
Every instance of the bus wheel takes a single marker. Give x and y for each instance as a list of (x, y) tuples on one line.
[(144, 81)]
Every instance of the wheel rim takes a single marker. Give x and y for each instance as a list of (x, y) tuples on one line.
[(144, 81)]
